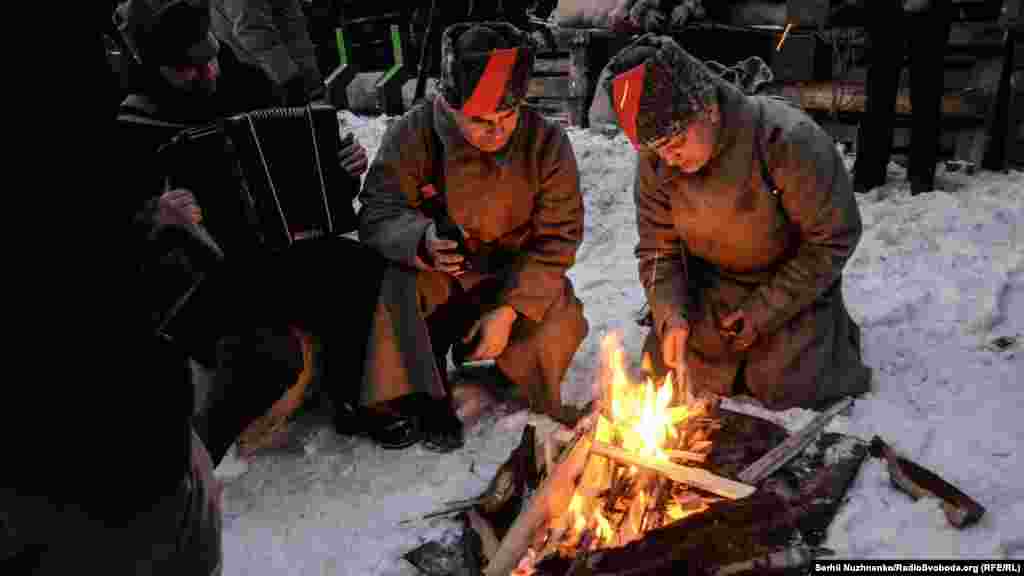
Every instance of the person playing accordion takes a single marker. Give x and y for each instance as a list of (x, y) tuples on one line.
[(240, 319)]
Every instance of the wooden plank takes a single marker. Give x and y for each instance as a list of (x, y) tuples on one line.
[(551, 67), (697, 477), (557, 87)]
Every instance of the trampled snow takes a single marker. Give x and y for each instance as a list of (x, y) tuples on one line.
[(936, 284)]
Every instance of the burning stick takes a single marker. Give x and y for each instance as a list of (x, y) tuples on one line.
[(686, 455), (653, 515), (550, 500), (631, 526), (685, 475)]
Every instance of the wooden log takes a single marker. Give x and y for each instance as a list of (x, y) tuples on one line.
[(840, 96), (556, 87), (550, 501), (961, 510), (691, 476), (551, 67)]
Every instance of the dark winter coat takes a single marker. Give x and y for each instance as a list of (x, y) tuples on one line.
[(522, 212), (718, 240)]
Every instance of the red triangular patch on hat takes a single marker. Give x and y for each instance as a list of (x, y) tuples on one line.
[(490, 90), (626, 90)]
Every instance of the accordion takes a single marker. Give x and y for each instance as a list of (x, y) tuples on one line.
[(266, 179)]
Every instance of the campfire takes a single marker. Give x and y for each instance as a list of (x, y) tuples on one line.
[(648, 483), (641, 437)]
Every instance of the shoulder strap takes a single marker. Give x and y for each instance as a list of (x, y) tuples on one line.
[(436, 150), (766, 174)]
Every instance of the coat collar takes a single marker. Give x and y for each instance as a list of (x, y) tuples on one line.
[(740, 116)]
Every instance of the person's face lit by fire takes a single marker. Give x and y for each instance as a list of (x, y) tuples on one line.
[(488, 132), (691, 149), (197, 74)]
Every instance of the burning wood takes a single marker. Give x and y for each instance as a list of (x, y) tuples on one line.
[(615, 495), (696, 477), (687, 455), (621, 493)]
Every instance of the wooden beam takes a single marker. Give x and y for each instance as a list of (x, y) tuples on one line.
[(696, 477), (550, 67), (549, 87)]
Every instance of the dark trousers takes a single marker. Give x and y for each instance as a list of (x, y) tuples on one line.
[(328, 288), (925, 47)]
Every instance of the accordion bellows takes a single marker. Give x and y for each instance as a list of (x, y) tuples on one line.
[(290, 186)]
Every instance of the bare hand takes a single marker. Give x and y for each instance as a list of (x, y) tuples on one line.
[(673, 352), (178, 207), (352, 156), (442, 253), (738, 330), (494, 328)]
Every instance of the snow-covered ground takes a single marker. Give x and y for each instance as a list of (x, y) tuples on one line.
[(936, 279)]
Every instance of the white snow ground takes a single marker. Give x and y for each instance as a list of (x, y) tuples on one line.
[(935, 280)]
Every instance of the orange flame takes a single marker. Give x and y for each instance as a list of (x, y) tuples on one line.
[(642, 420)]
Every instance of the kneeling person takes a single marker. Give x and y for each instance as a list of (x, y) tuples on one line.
[(503, 180), (746, 218)]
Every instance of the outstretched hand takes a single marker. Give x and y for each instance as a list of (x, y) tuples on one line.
[(673, 353)]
